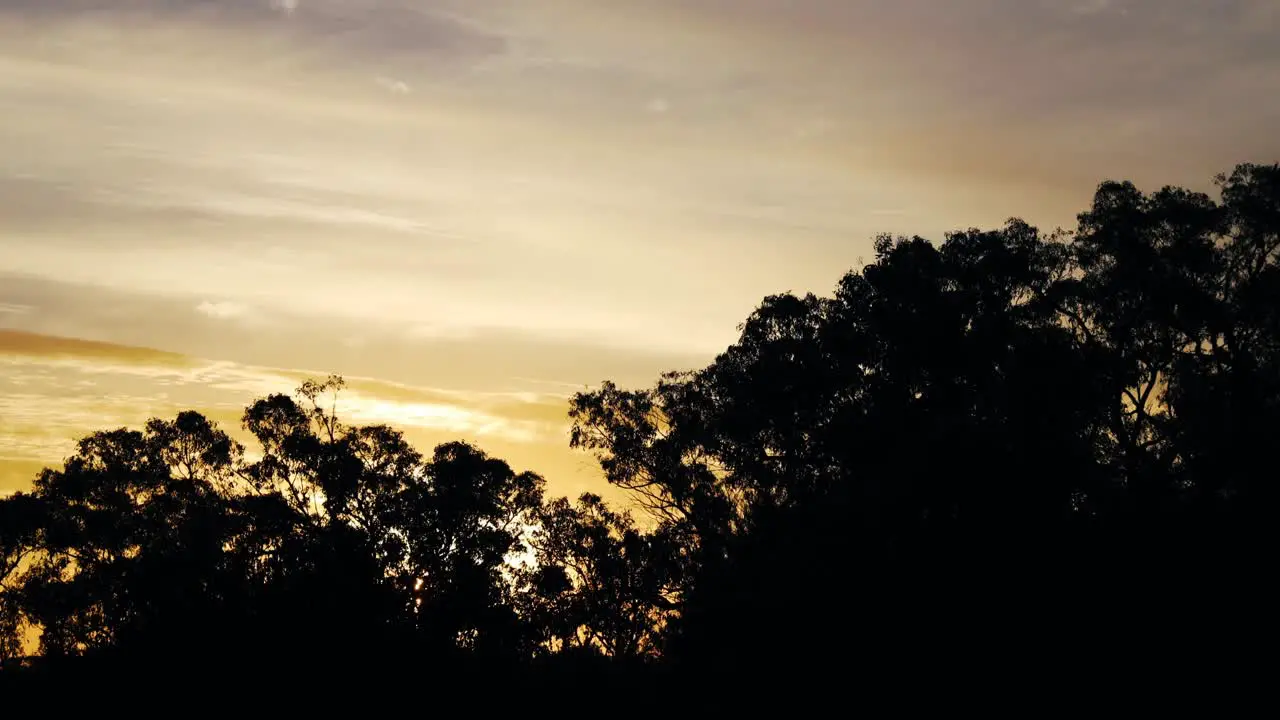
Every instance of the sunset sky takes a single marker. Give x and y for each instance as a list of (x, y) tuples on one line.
[(472, 208)]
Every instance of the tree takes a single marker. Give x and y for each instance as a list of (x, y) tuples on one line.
[(462, 523), (599, 583), (1041, 445), (116, 543), (1060, 409), (335, 540)]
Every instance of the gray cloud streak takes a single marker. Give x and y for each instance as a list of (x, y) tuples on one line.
[(489, 159)]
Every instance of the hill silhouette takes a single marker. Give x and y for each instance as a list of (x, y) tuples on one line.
[(1013, 453)]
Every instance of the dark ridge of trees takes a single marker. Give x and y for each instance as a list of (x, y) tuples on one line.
[(1013, 454)]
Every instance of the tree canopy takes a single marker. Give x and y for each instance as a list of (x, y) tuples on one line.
[(1011, 441)]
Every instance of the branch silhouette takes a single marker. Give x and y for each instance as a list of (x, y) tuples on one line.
[(1011, 444)]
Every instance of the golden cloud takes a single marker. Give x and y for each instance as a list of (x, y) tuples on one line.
[(25, 344), (60, 389)]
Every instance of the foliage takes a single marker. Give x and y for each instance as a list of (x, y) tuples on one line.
[(1011, 438)]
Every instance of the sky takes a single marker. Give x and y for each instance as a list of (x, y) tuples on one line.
[(473, 208)]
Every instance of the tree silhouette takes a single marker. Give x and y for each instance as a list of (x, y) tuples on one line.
[(1011, 444), (1058, 416), (599, 583)]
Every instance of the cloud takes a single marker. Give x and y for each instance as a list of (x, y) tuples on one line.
[(418, 332), (489, 360), (1093, 7), (288, 7), (305, 210), (18, 344), (523, 195), (223, 310), (359, 29), (60, 400), (391, 85), (55, 389)]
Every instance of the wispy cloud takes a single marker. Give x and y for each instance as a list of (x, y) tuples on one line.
[(54, 390), (17, 346), (450, 356), (288, 7), (398, 87), (457, 192), (1093, 7), (223, 310)]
